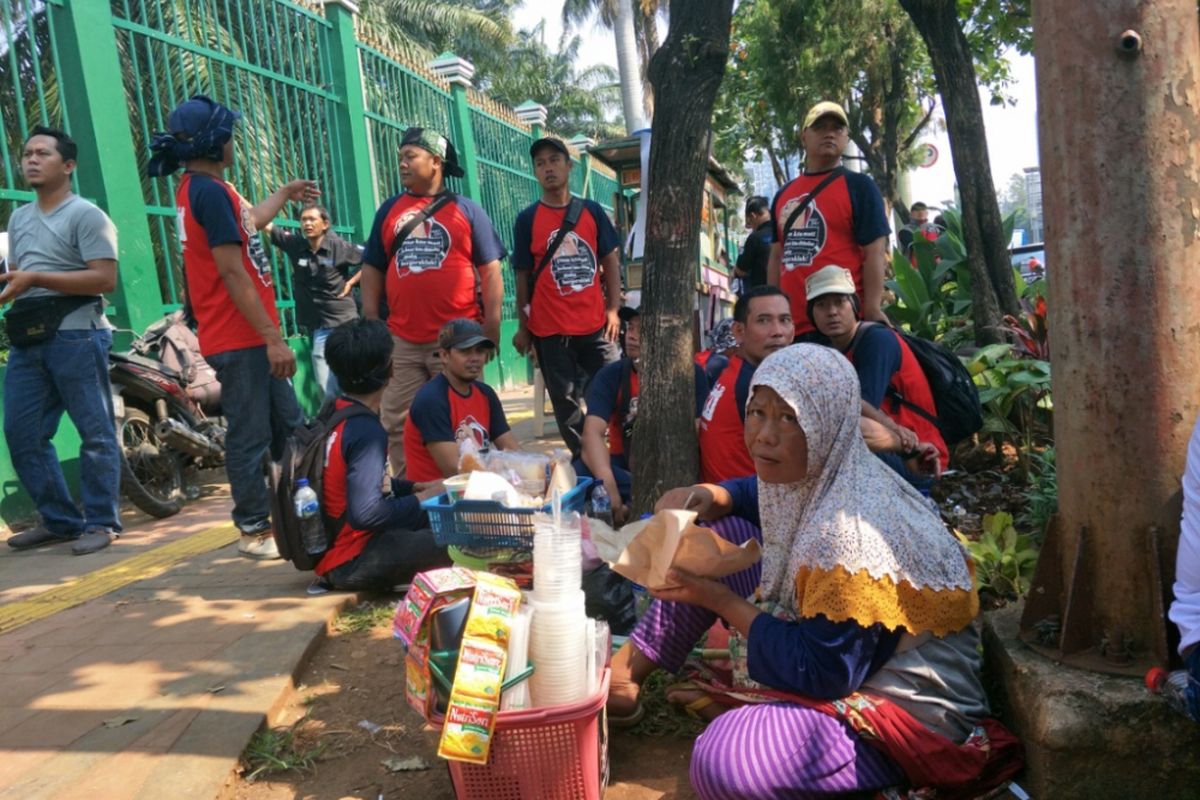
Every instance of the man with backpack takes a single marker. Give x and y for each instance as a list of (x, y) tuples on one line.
[(377, 540), (828, 215), (612, 403), (890, 376), (434, 256), (568, 279)]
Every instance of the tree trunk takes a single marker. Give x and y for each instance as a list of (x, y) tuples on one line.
[(992, 288), (647, 36), (627, 66), (776, 167), (686, 73)]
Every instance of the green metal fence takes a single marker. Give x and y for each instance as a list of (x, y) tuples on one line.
[(319, 100)]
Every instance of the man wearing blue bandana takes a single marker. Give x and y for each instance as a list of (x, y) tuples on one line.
[(232, 298)]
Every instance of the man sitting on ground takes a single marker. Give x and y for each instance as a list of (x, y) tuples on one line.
[(455, 406), (384, 539), (612, 402), (762, 321), (890, 377)]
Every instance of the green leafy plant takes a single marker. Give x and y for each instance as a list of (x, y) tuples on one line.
[(1004, 558), (1015, 395), (1042, 494), (277, 750)]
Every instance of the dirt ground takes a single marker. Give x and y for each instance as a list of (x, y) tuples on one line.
[(356, 676)]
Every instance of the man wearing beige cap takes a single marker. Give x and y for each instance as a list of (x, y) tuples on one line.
[(828, 215), (890, 377)]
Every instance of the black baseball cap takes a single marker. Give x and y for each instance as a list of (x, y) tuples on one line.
[(436, 143), (461, 334), (551, 142), (632, 307)]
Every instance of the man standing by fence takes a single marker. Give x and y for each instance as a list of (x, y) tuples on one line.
[(434, 256), (231, 295), (562, 247), (63, 256)]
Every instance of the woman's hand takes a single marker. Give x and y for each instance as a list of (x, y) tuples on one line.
[(695, 591), (687, 498)]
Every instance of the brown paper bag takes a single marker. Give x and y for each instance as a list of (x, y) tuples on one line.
[(671, 539)]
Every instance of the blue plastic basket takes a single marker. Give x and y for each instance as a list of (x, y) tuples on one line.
[(486, 523)]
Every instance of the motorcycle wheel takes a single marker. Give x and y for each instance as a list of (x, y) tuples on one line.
[(151, 475)]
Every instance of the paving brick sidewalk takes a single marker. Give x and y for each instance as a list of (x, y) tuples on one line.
[(154, 690)]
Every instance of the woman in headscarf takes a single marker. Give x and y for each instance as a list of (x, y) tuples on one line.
[(854, 662)]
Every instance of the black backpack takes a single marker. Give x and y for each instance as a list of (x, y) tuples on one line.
[(304, 457)]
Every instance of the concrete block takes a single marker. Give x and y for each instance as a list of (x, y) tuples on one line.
[(1087, 735)]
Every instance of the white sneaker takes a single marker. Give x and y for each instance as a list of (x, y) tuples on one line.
[(259, 546)]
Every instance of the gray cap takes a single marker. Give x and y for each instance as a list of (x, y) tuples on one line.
[(461, 334)]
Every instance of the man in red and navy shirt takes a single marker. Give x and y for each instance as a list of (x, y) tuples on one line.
[(887, 371), (231, 295), (570, 319), (762, 321), (844, 224), (439, 272), (383, 538), (455, 406)]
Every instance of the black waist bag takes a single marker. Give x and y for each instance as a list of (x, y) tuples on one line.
[(35, 320)]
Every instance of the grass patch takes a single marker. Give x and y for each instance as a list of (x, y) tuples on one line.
[(277, 750), (664, 718), (365, 617)]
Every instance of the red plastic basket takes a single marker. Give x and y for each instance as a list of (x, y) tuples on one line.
[(553, 753)]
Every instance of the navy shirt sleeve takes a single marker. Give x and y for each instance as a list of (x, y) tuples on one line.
[(602, 391), (374, 254), (430, 411), (713, 368), (213, 209), (522, 256), (486, 246), (364, 448), (816, 657), (499, 425), (606, 235), (876, 360), (866, 204), (744, 492), (701, 388)]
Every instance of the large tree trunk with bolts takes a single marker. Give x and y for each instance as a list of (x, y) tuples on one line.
[(686, 73), (993, 291)]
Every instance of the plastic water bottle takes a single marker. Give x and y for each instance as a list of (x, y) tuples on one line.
[(602, 505), (1172, 687), (308, 511)]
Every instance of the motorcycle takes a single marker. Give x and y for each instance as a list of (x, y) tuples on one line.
[(165, 430)]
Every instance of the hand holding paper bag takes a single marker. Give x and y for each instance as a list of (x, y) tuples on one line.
[(672, 540)]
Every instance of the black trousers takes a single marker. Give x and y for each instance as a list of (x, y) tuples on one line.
[(391, 557), (568, 363)]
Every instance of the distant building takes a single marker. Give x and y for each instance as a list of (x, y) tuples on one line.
[(762, 176), (1033, 196)]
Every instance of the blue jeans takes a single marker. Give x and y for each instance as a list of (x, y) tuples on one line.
[(321, 372), (260, 413), (67, 373)]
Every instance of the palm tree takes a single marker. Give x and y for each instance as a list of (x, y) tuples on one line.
[(421, 29), (640, 37)]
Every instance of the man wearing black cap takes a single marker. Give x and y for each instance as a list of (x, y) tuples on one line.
[(562, 245), (455, 406), (230, 291), (433, 255)]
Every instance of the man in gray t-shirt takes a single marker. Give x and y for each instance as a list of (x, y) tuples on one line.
[(62, 258)]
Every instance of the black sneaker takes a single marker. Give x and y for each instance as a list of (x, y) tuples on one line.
[(38, 536), (93, 540)]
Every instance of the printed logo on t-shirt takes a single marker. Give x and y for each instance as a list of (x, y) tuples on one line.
[(806, 237), (254, 245), (425, 247), (470, 428), (573, 265), (632, 415), (710, 405)]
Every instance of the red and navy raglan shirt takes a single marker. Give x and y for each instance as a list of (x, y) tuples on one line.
[(723, 453), (834, 228), (568, 299), (604, 401), (353, 484), (434, 276), (440, 414), (210, 213), (882, 360)]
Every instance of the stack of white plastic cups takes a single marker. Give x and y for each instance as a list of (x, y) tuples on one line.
[(559, 644)]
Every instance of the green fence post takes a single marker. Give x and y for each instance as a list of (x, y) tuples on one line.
[(94, 94), (353, 153), (458, 72)]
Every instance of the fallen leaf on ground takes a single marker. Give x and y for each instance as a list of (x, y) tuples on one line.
[(410, 764), (342, 667), (217, 688), (116, 722)]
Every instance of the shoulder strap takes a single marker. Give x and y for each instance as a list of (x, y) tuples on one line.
[(741, 391), (574, 212), (418, 219), (625, 396), (834, 174)]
